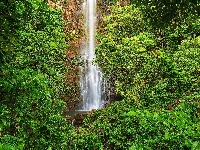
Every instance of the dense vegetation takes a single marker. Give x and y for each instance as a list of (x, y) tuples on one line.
[(32, 76), (153, 48)]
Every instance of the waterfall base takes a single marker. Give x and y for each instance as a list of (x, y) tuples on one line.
[(76, 117)]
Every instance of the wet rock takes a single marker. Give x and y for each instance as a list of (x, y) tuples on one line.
[(76, 117)]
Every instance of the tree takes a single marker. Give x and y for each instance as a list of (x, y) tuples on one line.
[(32, 75)]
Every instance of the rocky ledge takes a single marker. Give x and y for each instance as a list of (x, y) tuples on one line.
[(76, 117)]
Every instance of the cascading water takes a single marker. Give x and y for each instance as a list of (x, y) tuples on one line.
[(91, 76)]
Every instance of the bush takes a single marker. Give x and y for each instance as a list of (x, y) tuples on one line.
[(11, 143), (120, 127), (32, 76)]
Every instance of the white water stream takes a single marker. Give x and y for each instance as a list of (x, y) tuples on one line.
[(91, 76)]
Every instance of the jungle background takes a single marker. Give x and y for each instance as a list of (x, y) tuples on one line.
[(151, 48)]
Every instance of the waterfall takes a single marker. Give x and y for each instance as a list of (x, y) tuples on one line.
[(90, 75)]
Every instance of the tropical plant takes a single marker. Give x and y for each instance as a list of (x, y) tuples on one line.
[(32, 76)]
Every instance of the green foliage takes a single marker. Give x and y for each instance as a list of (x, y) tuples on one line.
[(34, 111), (149, 70), (85, 140), (121, 127), (161, 12), (153, 49), (11, 143), (32, 76), (124, 22)]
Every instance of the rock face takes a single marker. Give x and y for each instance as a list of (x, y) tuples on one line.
[(75, 117), (72, 14), (75, 35)]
